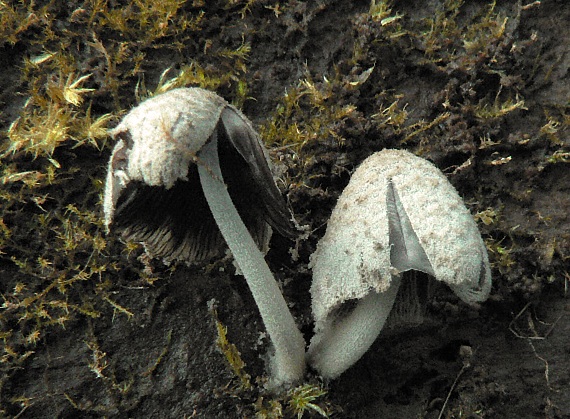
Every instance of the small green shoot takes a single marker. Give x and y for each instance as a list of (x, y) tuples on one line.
[(302, 400)]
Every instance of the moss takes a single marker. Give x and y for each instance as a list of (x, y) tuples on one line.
[(303, 399), (83, 64), (447, 38), (498, 109), (290, 127), (360, 106), (555, 129), (449, 83), (466, 110), (308, 399), (501, 256), (230, 352)]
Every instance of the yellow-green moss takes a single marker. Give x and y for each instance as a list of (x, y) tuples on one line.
[(306, 399), (83, 63), (86, 62), (230, 352)]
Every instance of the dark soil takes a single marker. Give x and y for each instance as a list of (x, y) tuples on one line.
[(507, 358)]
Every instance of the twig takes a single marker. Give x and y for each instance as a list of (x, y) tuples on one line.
[(451, 390), (536, 336), (546, 370), (466, 364)]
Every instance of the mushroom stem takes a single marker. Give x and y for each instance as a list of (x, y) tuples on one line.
[(287, 365), (337, 348)]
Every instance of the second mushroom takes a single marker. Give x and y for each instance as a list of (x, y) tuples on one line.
[(398, 213)]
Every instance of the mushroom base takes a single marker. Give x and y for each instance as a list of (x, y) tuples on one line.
[(340, 342)]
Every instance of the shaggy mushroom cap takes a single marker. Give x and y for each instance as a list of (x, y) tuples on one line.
[(153, 193), (398, 213)]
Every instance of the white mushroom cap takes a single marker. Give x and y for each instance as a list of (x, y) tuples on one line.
[(186, 117), (394, 189), (152, 193)]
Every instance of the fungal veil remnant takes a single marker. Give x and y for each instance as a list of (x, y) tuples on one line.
[(189, 172), (398, 213)]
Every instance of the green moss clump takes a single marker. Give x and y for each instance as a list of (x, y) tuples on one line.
[(308, 398), (78, 66), (303, 399)]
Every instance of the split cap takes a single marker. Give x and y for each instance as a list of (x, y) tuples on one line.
[(189, 172), (398, 213)]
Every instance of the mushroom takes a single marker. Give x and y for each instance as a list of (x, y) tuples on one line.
[(398, 213), (188, 172)]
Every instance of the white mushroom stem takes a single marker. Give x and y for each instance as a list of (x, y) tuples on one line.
[(287, 364), (340, 346)]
